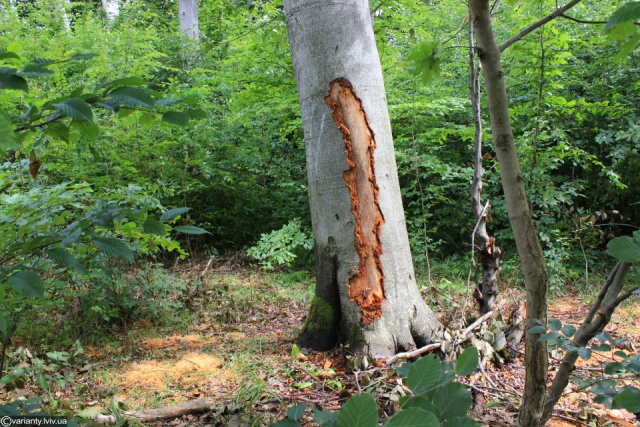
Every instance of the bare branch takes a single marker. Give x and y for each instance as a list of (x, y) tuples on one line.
[(536, 25)]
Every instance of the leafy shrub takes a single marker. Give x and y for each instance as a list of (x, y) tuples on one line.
[(282, 247), (436, 399)]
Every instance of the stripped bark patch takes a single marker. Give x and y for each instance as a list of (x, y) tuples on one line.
[(366, 286)]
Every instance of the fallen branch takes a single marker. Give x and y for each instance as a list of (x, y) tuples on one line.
[(196, 406), (414, 353)]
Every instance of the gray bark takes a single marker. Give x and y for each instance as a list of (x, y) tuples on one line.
[(529, 249), (331, 40), (486, 291), (188, 15)]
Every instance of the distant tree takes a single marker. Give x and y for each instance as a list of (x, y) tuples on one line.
[(188, 15)]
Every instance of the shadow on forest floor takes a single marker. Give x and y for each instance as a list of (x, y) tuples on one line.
[(236, 346)]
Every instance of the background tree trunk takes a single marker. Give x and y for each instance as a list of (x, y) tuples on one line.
[(188, 15), (365, 288), (529, 249)]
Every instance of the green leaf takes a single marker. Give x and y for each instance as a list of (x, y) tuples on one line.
[(131, 96), (424, 61), (176, 118), (8, 140), (452, 400), (467, 362), (75, 108), (536, 329), (12, 55), (403, 370), (423, 375), (627, 47), (172, 213), (4, 326), (460, 422), (624, 248), (81, 56), (325, 418), (625, 13), (197, 113), (88, 130), (124, 81), (621, 31), (414, 417), (9, 80), (554, 325), (296, 412), (420, 402), (190, 229), (35, 70), (168, 102), (584, 353), (628, 399), (115, 248), (153, 226), (359, 411), (64, 257), (58, 130), (568, 330), (27, 283)]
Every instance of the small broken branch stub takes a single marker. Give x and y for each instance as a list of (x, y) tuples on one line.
[(366, 286)]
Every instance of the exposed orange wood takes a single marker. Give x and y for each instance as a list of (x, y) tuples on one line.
[(366, 286)]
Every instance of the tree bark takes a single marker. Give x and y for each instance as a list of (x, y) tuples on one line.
[(366, 292), (529, 249), (188, 16), (486, 291)]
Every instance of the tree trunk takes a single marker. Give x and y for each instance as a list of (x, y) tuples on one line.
[(486, 291), (529, 249), (188, 15), (366, 292)]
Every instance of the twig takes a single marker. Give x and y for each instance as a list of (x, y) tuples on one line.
[(487, 377), (414, 353), (573, 420), (464, 336)]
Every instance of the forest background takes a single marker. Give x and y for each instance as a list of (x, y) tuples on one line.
[(216, 128)]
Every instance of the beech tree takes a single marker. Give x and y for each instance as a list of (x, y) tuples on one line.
[(188, 16), (366, 292)]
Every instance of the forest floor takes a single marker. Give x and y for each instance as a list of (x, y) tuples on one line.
[(236, 347)]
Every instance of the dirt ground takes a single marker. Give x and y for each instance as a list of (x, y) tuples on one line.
[(240, 353)]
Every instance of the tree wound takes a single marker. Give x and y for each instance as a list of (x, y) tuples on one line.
[(366, 284)]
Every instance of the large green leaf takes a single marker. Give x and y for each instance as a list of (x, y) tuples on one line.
[(88, 130), (325, 418), (359, 411), (414, 417), (153, 226), (467, 362), (81, 56), (115, 248), (9, 80), (172, 213), (11, 55), (131, 96), (64, 257), (287, 422), (296, 412), (421, 402), (27, 283), (628, 399), (35, 70), (4, 326), (75, 108), (427, 374), (624, 248), (190, 229), (625, 13), (452, 400), (176, 118)]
